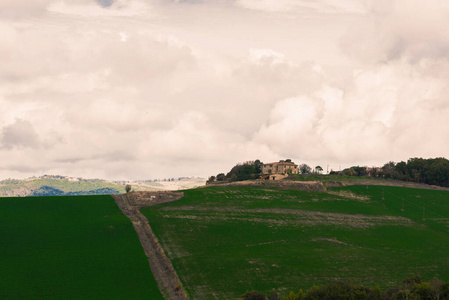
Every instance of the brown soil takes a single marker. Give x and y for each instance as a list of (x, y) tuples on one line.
[(161, 266), (297, 217), (318, 186), (348, 194), (315, 186), (328, 240), (397, 183)]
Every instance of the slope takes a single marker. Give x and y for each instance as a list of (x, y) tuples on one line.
[(71, 248), (224, 241)]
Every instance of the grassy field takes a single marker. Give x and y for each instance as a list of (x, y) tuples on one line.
[(224, 241), (79, 247)]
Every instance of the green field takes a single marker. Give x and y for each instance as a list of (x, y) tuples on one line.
[(224, 241), (79, 247)]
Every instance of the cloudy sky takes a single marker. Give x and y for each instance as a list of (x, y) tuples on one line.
[(142, 89)]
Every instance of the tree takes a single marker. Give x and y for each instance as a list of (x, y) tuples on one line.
[(245, 171), (359, 171), (436, 287), (350, 172), (293, 296), (128, 188), (258, 166), (221, 177), (389, 169), (318, 169), (305, 169), (211, 179)]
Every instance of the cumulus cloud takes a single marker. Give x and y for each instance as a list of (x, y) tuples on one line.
[(400, 30), (13, 9), (145, 89), (101, 8), (19, 134), (322, 6)]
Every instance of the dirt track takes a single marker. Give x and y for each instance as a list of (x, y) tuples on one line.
[(315, 186), (161, 266)]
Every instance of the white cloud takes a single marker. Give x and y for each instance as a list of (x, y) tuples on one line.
[(147, 89), (13, 9), (322, 6), (19, 134), (401, 30), (101, 8), (266, 56)]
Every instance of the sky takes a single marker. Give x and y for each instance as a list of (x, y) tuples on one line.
[(145, 89)]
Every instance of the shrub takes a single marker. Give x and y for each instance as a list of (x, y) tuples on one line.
[(254, 295)]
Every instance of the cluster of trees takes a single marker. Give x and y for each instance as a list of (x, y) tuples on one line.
[(253, 169), (242, 171), (433, 171), (359, 171), (411, 288), (305, 169)]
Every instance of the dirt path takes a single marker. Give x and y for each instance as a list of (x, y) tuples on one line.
[(161, 266), (315, 186)]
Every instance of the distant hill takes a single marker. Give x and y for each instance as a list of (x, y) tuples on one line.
[(181, 183), (56, 185), (49, 185), (50, 191)]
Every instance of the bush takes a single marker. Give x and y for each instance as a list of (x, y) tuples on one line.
[(221, 177), (211, 179), (247, 170), (254, 295)]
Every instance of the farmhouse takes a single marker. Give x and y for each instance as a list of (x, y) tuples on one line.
[(281, 167)]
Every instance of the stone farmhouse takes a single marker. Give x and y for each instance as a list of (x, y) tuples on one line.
[(281, 167)]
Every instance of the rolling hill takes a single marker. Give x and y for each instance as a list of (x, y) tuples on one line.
[(225, 240), (55, 185)]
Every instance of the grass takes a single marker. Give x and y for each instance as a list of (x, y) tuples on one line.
[(79, 247), (224, 241), (336, 179)]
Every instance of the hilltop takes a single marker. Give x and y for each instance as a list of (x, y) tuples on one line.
[(171, 184), (322, 182)]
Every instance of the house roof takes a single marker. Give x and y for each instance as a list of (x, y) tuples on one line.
[(281, 163)]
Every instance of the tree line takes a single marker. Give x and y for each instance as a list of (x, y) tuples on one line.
[(412, 288), (434, 171), (241, 171), (253, 169)]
